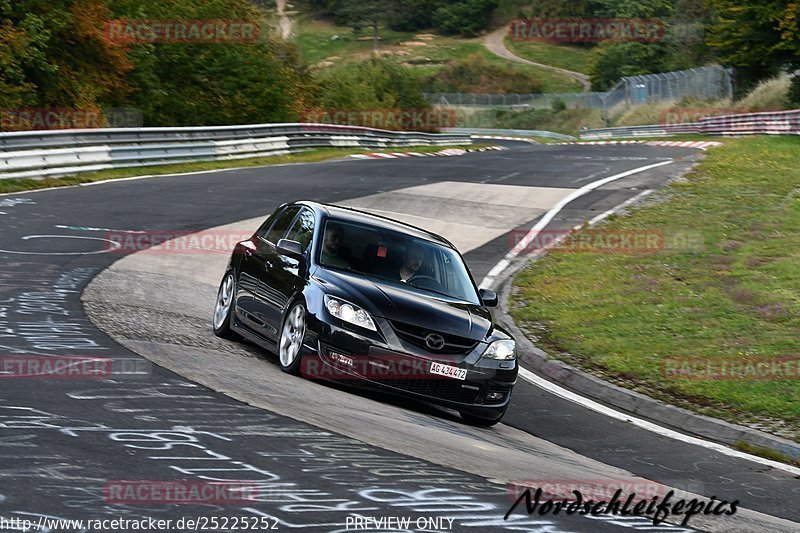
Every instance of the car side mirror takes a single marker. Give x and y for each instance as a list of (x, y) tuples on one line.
[(489, 298), (291, 249)]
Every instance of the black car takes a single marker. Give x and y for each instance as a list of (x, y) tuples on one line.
[(344, 295)]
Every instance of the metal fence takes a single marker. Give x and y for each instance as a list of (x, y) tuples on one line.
[(534, 101), (38, 154), (706, 83)]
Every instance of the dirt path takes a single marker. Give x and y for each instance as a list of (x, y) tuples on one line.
[(495, 44), (284, 22)]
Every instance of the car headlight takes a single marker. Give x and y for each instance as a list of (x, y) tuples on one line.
[(349, 313), (501, 350)]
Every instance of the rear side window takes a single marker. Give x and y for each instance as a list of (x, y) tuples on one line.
[(303, 229), (264, 229), (281, 225)]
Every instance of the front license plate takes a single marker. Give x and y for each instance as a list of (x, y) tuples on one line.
[(448, 371)]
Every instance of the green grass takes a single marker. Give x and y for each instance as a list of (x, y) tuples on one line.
[(568, 121), (317, 46), (734, 292), (311, 156), (317, 43), (568, 57), (552, 82), (768, 453)]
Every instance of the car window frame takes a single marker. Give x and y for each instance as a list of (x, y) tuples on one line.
[(264, 238), (267, 225), (304, 209)]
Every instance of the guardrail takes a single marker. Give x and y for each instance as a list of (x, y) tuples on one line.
[(60, 153), (512, 133), (765, 123)]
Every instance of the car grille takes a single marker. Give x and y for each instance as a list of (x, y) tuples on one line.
[(444, 389), (453, 344)]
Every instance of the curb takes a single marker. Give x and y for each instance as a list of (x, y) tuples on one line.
[(634, 403), (702, 145), (450, 152)]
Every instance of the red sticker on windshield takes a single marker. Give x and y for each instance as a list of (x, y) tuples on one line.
[(383, 251)]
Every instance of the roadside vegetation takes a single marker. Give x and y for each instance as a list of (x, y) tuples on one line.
[(430, 56), (725, 285), (556, 118), (575, 58), (769, 95), (437, 43)]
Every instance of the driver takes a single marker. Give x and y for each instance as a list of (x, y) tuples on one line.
[(412, 262), (333, 253)]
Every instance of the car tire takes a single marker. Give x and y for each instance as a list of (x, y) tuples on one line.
[(290, 342), (223, 309)]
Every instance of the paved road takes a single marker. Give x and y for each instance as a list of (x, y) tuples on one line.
[(63, 441)]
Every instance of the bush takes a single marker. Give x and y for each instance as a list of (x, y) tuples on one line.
[(372, 84), (557, 104), (768, 95), (475, 74), (568, 121)]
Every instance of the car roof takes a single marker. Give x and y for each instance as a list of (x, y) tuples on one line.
[(347, 214)]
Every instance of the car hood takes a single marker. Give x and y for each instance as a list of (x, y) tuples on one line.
[(399, 302)]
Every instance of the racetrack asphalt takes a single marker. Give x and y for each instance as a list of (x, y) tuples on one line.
[(62, 441)]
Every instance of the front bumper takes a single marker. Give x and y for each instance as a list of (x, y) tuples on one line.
[(334, 352)]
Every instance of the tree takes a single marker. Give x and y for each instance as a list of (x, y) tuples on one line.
[(559, 8), (757, 37), (611, 61), (462, 17), (54, 54), (632, 8), (214, 83), (359, 13), (465, 18), (16, 51)]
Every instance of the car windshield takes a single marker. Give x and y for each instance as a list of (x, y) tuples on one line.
[(396, 257)]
